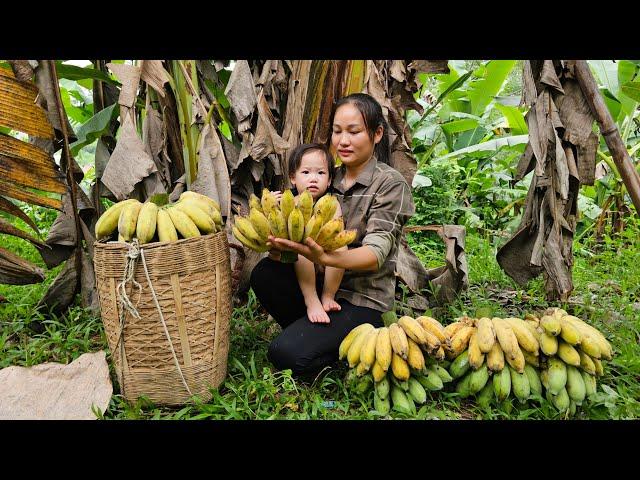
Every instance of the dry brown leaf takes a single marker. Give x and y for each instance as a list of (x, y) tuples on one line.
[(298, 84), (213, 177), (152, 72), (12, 209), (430, 66), (62, 291), (47, 100), (18, 109), (241, 94), (266, 140), (543, 242), (129, 77), (129, 163), (17, 271), (9, 229)]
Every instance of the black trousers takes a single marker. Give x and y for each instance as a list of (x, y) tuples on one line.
[(304, 347)]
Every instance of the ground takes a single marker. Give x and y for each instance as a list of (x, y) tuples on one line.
[(607, 294)]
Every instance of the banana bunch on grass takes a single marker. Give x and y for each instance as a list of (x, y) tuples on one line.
[(293, 220), (397, 361), (573, 352), (191, 216), (528, 359)]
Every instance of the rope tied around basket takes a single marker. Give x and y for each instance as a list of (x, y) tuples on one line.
[(134, 252)]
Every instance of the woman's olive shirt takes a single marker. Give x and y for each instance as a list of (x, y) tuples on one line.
[(377, 205)]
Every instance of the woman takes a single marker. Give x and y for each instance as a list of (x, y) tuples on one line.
[(376, 201)]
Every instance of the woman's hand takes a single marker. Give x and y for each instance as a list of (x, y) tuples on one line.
[(309, 249)]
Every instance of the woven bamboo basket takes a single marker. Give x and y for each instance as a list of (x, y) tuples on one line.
[(191, 279)]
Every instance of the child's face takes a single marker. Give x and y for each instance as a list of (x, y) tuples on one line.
[(312, 174)]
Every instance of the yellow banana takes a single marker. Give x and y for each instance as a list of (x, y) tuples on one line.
[(268, 202), (312, 227), (398, 339), (568, 353), (377, 372), (525, 338), (200, 217), (518, 362), (128, 220), (351, 336), (415, 358), (530, 358), (599, 367), (329, 230), (486, 335), (569, 332), (434, 327), (246, 229), (507, 338), (460, 340), (326, 207), (166, 229), (495, 358), (295, 225), (254, 202), (587, 363), (551, 325), (305, 204), (184, 225), (353, 354), (548, 343), (247, 242), (451, 329), (399, 367), (383, 349), (146, 225), (209, 200), (368, 351), (277, 224), (361, 369), (476, 357), (108, 221), (343, 238), (287, 203), (413, 330), (259, 223)]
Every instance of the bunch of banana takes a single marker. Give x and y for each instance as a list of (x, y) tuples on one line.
[(293, 220), (192, 215), (572, 358), (399, 360), (400, 347), (564, 359)]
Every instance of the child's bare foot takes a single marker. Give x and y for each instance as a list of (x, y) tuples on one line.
[(317, 314), (330, 305)]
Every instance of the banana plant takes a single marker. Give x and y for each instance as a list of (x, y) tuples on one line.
[(472, 121), (29, 173)]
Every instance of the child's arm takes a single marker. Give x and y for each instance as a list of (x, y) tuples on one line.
[(306, 274)]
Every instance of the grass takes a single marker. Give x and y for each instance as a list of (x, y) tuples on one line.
[(607, 294)]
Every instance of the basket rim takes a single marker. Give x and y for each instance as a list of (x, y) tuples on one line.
[(115, 245)]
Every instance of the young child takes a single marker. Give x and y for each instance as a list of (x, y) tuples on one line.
[(311, 168)]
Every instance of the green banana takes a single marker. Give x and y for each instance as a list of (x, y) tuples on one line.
[(502, 384), (520, 385), (534, 380), (460, 365), (575, 385)]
